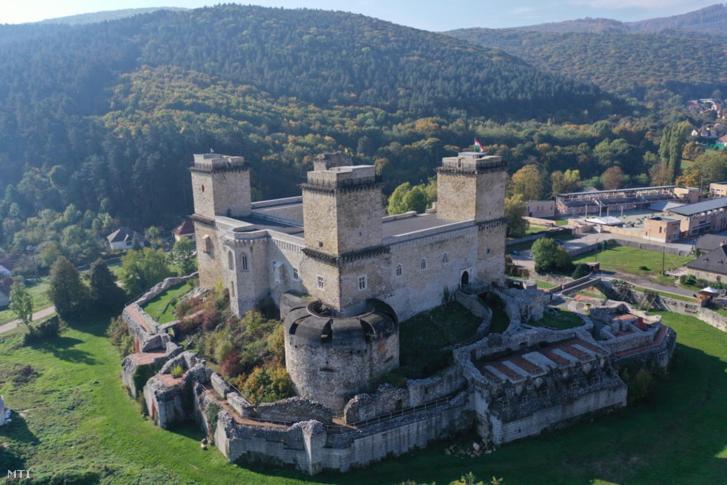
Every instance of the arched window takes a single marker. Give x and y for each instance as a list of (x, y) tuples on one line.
[(445, 258), (423, 264), (207, 246), (230, 261), (398, 270), (244, 262)]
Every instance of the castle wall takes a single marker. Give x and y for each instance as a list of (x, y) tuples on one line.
[(208, 261), (490, 266), (311, 447), (556, 416), (417, 289)]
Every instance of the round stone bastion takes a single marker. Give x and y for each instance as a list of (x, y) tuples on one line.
[(331, 358)]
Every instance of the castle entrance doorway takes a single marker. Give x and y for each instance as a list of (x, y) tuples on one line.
[(465, 279)]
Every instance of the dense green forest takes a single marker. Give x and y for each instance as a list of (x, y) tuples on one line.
[(649, 67), (98, 123)]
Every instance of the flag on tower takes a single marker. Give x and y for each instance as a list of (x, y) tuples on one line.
[(478, 145)]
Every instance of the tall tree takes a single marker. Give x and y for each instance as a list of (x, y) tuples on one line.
[(143, 269), (21, 303), (104, 292), (528, 182), (66, 290), (612, 178), (514, 212), (183, 255)]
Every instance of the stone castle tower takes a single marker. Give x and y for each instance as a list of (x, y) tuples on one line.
[(471, 186), (342, 214), (220, 187)]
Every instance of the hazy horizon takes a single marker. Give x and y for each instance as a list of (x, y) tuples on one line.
[(427, 15)]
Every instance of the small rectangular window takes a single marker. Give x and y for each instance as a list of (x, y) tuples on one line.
[(296, 277), (362, 282), (321, 282), (398, 270), (423, 264)]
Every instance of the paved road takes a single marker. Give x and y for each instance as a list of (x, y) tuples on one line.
[(39, 315)]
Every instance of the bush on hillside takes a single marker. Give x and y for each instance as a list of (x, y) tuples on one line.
[(42, 331)]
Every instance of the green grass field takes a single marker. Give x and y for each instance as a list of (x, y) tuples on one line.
[(559, 320), (423, 337), (534, 228), (78, 422), (162, 307), (640, 262)]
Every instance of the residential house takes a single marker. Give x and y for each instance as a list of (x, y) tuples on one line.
[(710, 266), (184, 230), (124, 239)]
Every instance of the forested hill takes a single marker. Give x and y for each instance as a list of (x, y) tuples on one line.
[(73, 128), (707, 20), (650, 67)]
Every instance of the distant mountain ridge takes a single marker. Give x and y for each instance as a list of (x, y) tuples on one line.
[(707, 20), (104, 16)]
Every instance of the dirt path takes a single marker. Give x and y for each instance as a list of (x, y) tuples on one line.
[(39, 315)]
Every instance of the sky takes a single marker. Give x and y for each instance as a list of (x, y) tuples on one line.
[(424, 14)]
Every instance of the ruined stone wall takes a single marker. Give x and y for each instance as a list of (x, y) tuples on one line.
[(416, 392), (599, 400), (311, 447)]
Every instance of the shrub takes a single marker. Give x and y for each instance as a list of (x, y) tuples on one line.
[(581, 271), (550, 256), (41, 331), (268, 384), (177, 371), (688, 279), (118, 334), (276, 343), (230, 364)]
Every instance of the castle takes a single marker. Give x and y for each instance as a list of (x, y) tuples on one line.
[(335, 243), (343, 275)]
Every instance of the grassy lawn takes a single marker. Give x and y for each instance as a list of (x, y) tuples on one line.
[(558, 320), (162, 307), (424, 336), (534, 228), (79, 422), (545, 285), (640, 262)]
